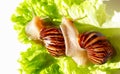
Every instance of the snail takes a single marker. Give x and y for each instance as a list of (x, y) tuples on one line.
[(98, 48), (51, 36), (66, 40)]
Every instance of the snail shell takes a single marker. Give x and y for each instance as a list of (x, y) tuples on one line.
[(53, 40), (98, 48)]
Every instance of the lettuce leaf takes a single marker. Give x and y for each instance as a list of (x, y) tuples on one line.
[(113, 22), (88, 15)]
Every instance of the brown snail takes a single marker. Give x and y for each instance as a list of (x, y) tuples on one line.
[(67, 41), (98, 48), (51, 37)]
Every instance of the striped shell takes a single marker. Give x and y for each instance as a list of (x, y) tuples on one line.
[(53, 40), (99, 50)]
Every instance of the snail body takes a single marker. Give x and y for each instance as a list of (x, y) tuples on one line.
[(84, 47), (33, 28)]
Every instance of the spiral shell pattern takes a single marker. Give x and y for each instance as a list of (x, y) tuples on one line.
[(98, 48), (53, 40)]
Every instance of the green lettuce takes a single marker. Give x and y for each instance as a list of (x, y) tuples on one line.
[(89, 15)]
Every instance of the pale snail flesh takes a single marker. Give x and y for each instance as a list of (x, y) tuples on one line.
[(73, 48), (33, 28), (81, 47)]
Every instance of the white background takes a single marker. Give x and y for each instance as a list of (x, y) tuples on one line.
[(9, 45)]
